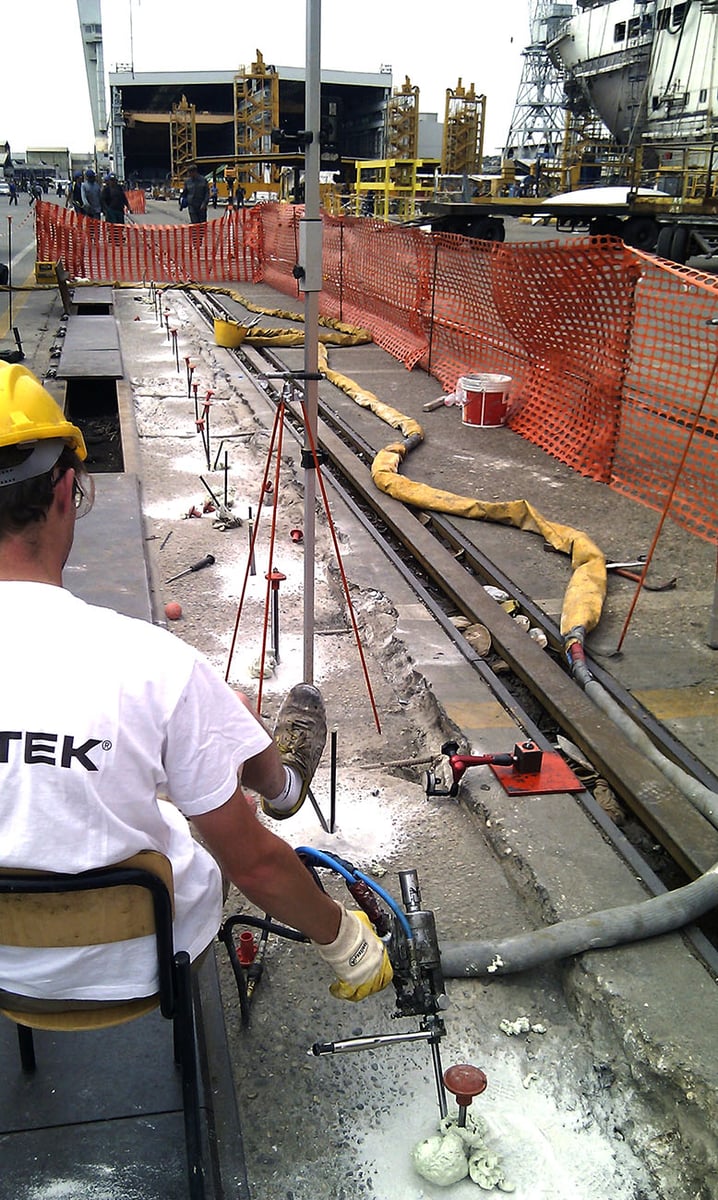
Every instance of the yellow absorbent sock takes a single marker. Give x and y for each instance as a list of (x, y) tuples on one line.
[(391, 416), (586, 591)]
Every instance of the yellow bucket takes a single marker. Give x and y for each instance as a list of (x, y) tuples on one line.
[(229, 333)]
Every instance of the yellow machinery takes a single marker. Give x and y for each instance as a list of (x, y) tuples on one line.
[(463, 142), (378, 195), (183, 140)]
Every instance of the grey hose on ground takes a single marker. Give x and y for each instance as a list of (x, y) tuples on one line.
[(700, 796), (612, 927)]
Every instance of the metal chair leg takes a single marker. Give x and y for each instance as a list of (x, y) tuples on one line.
[(186, 1042), (27, 1048)]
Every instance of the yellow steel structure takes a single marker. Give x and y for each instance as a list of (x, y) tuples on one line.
[(183, 140), (402, 122), (463, 142), (256, 114), (378, 195)]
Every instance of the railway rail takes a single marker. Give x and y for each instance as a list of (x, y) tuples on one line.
[(448, 574)]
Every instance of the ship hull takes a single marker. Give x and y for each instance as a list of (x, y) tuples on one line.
[(647, 69)]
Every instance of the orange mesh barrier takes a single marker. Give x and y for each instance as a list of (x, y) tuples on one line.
[(609, 349), (219, 250), (670, 388), (137, 200)]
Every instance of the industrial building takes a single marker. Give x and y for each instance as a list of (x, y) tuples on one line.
[(162, 120)]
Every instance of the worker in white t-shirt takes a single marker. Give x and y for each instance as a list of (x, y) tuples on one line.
[(102, 715)]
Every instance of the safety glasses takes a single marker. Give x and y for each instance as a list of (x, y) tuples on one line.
[(83, 492)]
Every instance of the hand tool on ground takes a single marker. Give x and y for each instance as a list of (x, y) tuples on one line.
[(412, 945), (527, 770), (207, 561)]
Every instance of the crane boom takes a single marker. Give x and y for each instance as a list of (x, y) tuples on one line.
[(91, 29)]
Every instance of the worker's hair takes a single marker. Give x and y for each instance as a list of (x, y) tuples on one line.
[(28, 503)]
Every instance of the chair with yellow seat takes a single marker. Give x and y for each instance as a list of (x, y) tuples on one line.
[(131, 899)]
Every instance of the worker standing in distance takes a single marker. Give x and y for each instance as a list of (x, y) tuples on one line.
[(91, 196), (138, 718), (195, 195)]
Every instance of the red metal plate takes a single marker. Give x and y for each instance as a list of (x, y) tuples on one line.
[(555, 776)]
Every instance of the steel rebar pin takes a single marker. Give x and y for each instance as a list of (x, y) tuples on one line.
[(196, 405), (250, 532), (333, 781), (226, 473), (175, 341), (275, 577), (216, 457)]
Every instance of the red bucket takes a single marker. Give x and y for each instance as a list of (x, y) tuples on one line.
[(486, 398)]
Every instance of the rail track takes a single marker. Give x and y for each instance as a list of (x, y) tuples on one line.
[(449, 575)]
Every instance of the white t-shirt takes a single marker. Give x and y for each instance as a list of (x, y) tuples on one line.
[(99, 715)]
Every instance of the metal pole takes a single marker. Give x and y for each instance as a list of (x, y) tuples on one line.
[(311, 262), (9, 271)]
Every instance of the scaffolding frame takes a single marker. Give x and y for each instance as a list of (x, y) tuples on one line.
[(463, 141), (256, 116), (183, 140)]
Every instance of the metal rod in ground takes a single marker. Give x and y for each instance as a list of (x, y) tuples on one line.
[(205, 414), (318, 811), (175, 339), (204, 481), (275, 623), (216, 457), (226, 471), (196, 404), (250, 533), (333, 781)]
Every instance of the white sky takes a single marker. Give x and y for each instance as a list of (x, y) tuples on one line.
[(44, 99)]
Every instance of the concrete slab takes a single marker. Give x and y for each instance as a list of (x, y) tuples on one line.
[(91, 349)]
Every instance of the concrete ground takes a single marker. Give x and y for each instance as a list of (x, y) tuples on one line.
[(611, 1090)]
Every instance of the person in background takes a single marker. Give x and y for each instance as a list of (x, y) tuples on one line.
[(114, 201), (91, 193), (195, 195), (136, 742), (213, 193), (74, 193), (13, 191)]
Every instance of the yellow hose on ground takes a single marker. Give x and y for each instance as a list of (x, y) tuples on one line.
[(586, 591)]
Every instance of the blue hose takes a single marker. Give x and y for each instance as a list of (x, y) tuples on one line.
[(328, 860)]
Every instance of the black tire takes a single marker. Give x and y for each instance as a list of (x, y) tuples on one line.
[(605, 226), (487, 229), (680, 243), (640, 232), (665, 237)]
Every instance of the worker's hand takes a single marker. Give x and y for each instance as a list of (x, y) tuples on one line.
[(358, 958)]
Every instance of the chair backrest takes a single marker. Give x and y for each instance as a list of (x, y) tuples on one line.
[(62, 277), (128, 900)]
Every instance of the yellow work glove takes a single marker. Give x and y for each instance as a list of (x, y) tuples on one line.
[(357, 957)]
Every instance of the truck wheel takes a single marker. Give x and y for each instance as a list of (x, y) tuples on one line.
[(665, 237), (487, 229), (605, 226), (640, 232), (680, 243)]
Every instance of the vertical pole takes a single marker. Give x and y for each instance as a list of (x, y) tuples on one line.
[(9, 271), (312, 283)]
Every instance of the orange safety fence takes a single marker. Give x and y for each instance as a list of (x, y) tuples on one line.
[(137, 200), (218, 250), (610, 350)]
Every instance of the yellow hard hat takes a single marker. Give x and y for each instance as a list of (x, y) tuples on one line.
[(31, 419)]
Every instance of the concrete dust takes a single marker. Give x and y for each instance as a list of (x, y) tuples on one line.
[(337, 1127)]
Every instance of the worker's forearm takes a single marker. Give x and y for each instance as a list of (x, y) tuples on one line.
[(285, 889)]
